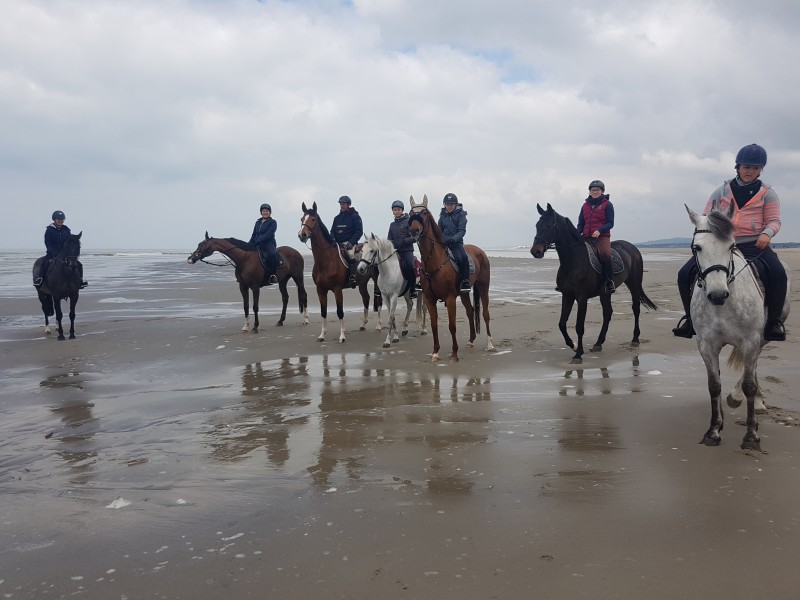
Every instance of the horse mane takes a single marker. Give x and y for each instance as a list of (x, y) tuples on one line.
[(241, 244), (719, 224), (381, 244), (571, 229), (322, 226), (69, 243)]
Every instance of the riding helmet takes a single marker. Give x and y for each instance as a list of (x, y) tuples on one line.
[(265, 205), (450, 199), (398, 204), (345, 200), (58, 215), (598, 184), (752, 155)]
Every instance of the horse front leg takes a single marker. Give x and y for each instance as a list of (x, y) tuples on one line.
[(72, 302), (392, 336), (59, 316), (580, 322), (337, 293), (451, 321), (409, 306), (322, 294), (256, 294), (566, 310), (605, 302), (245, 291), (711, 359), (433, 312), (751, 441), (465, 300), (365, 300)]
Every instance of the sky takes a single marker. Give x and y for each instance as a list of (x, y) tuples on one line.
[(151, 122)]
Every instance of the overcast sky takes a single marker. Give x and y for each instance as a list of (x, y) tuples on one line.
[(149, 122)]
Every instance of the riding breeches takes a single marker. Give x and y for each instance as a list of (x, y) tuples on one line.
[(460, 254), (603, 245), (769, 266), (407, 267)]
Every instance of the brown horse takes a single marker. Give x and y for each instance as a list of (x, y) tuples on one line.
[(330, 272), (250, 273), (440, 279)]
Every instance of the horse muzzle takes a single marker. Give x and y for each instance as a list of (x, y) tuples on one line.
[(718, 297), (538, 250)]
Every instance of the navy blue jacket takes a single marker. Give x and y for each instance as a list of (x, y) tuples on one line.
[(453, 225), (54, 239), (264, 234), (347, 227), (399, 235)]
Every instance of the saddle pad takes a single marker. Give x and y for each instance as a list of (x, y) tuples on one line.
[(616, 260)]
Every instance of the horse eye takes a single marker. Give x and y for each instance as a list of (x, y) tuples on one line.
[(696, 248)]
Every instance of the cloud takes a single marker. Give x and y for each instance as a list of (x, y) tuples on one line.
[(150, 122)]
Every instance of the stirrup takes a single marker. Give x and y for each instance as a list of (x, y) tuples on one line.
[(684, 328), (610, 288), (84, 284), (465, 286), (774, 331), (38, 281), (273, 279)]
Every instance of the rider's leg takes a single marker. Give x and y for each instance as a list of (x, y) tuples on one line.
[(84, 283), (39, 277), (775, 288), (272, 263), (411, 277), (604, 251), (463, 262), (686, 277)]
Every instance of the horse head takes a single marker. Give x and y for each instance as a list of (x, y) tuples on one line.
[(308, 222), (420, 219), (203, 250), (713, 248), (546, 231), (369, 254)]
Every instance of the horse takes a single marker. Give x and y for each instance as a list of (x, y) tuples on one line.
[(330, 273), (250, 274), (380, 253), (578, 280), (440, 281), (727, 308), (62, 281)]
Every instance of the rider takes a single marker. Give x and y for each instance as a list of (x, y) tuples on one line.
[(264, 239), (347, 229), (453, 223), (594, 224), (403, 244), (756, 220), (54, 237)]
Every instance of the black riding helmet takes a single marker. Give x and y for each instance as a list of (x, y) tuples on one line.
[(265, 205), (398, 204), (598, 184), (752, 154), (345, 200), (58, 215), (450, 199)]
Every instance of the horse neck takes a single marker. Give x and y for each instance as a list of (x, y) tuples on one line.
[(430, 246), (230, 250), (569, 244), (321, 244)]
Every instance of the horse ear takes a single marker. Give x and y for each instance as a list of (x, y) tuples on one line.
[(693, 216), (207, 235), (305, 210), (425, 201), (314, 206), (550, 208), (540, 209), (79, 235)]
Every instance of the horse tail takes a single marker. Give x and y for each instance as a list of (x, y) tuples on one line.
[(647, 302), (735, 360), (476, 305)]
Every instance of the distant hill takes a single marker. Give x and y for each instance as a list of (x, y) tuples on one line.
[(685, 242)]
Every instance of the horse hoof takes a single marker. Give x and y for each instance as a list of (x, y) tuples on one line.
[(711, 441), (434, 358), (470, 344), (634, 343), (255, 330), (279, 324), (362, 328), (421, 332), (385, 345), (595, 348), (244, 329), (320, 339), (61, 338), (576, 361), (405, 332), (72, 337), (734, 402), (751, 445)]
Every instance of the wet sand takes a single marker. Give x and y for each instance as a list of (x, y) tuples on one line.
[(158, 456)]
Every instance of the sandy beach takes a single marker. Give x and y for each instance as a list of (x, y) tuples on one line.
[(163, 456)]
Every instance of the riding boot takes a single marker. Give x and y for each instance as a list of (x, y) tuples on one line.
[(608, 270), (412, 287), (776, 296), (684, 328), (39, 279), (352, 282), (84, 283), (464, 268)]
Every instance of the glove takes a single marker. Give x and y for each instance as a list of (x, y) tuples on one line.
[(446, 240), (348, 246)]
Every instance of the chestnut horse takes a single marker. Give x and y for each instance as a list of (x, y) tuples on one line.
[(250, 273), (440, 279), (330, 272)]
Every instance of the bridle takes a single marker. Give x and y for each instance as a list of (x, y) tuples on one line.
[(554, 227), (419, 216), (374, 262), (730, 275)]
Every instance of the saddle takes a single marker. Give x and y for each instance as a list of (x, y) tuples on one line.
[(455, 264), (594, 259), (264, 258)]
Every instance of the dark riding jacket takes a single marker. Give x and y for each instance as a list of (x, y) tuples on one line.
[(264, 234), (54, 239), (347, 227), (596, 215), (453, 226), (399, 235)]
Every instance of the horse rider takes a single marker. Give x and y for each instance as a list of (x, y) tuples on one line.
[(756, 220), (55, 235), (595, 222), (453, 223), (404, 245), (347, 229), (264, 239)]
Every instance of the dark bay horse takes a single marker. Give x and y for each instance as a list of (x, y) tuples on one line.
[(578, 281), (62, 281), (250, 274), (330, 273), (440, 280)]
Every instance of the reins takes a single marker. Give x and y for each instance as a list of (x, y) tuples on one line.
[(730, 275)]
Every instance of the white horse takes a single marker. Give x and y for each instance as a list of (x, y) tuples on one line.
[(727, 308), (393, 285)]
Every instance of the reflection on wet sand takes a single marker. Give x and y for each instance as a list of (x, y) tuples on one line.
[(581, 382)]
